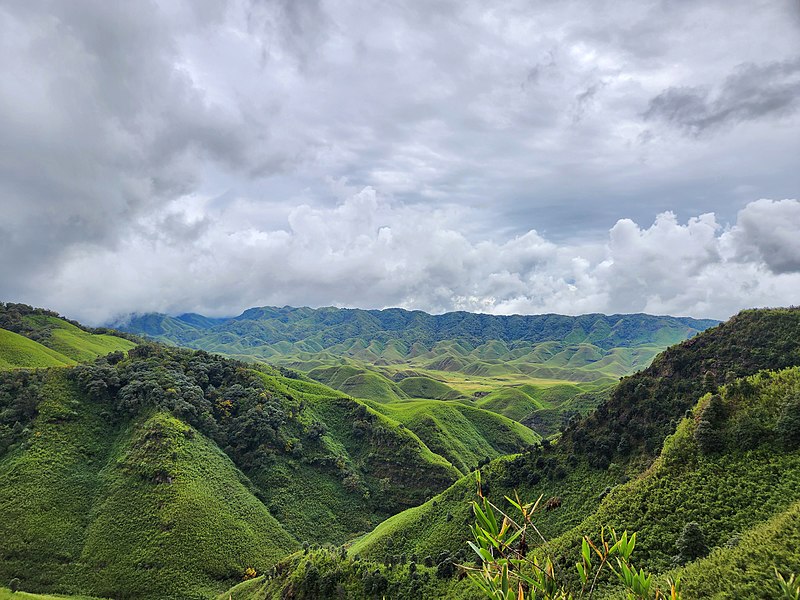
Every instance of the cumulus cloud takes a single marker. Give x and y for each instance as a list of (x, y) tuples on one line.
[(206, 155), (370, 252)]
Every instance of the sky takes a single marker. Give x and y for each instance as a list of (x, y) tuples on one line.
[(501, 157)]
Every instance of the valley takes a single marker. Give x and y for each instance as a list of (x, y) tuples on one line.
[(134, 469)]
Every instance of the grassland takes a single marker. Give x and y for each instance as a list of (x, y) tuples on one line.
[(463, 434), (40, 339), (17, 351)]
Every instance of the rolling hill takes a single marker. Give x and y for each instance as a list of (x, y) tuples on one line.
[(34, 337), (369, 353), (589, 348), (108, 469)]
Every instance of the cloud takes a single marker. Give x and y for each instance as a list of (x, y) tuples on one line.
[(752, 91), (370, 252), (190, 147), (767, 232)]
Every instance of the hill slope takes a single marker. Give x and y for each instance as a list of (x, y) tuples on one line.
[(168, 473), (591, 455), (50, 340), (17, 351)]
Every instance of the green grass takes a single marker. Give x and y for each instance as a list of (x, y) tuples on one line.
[(82, 346), (59, 344), (425, 387), (463, 434), (17, 351), (359, 382), (5, 594), (81, 511), (511, 402)]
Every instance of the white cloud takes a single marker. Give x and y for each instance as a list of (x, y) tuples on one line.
[(370, 252)]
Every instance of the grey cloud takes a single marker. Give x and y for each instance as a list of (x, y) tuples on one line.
[(751, 92), (769, 231), (121, 121)]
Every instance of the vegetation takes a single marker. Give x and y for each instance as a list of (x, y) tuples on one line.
[(579, 470), (114, 473), (160, 472), (392, 355), (34, 337)]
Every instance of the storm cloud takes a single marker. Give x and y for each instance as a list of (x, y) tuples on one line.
[(523, 156)]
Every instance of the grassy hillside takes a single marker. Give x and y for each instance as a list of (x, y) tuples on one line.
[(426, 387), (358, 382), (463, 434), (17, 352), (51, 340), (168, 473), (511, 402), (607, 447)]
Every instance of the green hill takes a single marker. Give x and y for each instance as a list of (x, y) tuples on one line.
[(50, 340), (745, 441), (168, 473), (425, 387), (511, 402), (17, 351), (359, 383), (613, 444), (464, 435)]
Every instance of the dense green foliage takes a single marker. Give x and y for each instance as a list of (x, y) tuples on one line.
[(167, 473), (643, 408), (325, 573), (693, 499), (579, 470)]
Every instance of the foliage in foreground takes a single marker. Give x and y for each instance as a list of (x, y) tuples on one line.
[(509, 571)]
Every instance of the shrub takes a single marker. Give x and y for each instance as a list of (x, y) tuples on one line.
[(691, 544)]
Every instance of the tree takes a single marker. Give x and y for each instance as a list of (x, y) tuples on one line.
[(691, 544)]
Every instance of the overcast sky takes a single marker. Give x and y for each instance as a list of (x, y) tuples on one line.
[(506, 157)]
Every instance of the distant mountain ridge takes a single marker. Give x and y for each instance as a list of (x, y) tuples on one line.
[(313, 330)]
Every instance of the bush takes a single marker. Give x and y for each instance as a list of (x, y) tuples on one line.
[(691, 544)]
